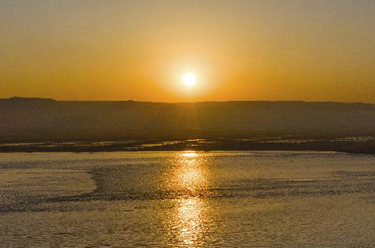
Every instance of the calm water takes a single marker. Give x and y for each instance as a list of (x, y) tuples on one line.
[(187, 199)]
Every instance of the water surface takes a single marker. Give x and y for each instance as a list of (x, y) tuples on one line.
[(187, 199)]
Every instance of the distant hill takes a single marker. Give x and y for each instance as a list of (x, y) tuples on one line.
[(33, 119)]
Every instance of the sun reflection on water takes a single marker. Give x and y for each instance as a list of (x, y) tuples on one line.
[(189, 175), (189, 154), (189, 219)]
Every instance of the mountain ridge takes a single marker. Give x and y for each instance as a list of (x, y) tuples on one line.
[(43, 119)]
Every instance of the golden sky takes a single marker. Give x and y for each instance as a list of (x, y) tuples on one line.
[(320, 50)]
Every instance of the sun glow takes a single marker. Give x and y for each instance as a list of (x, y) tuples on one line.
[(189, 79)]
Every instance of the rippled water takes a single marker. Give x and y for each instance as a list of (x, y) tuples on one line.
[(187, 199)]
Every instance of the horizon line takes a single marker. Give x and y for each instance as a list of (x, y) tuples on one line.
[(183, 102)]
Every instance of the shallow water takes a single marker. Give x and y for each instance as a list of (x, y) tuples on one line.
[(187, 199)]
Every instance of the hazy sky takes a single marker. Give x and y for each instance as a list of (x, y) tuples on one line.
[(314, 50)]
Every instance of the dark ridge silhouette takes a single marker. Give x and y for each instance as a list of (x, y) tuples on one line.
[(47, 120)]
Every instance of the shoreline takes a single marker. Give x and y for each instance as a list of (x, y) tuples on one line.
[(345, 146)]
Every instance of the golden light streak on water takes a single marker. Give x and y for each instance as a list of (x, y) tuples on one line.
[(189, 220)]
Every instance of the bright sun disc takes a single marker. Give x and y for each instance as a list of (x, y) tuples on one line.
[(189, 79)]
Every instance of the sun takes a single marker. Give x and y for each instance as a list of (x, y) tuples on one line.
[(189, 79)]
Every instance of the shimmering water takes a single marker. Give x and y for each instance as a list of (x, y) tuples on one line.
[(187, 199)]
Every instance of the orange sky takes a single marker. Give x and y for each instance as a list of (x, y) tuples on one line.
[(239, 50)]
